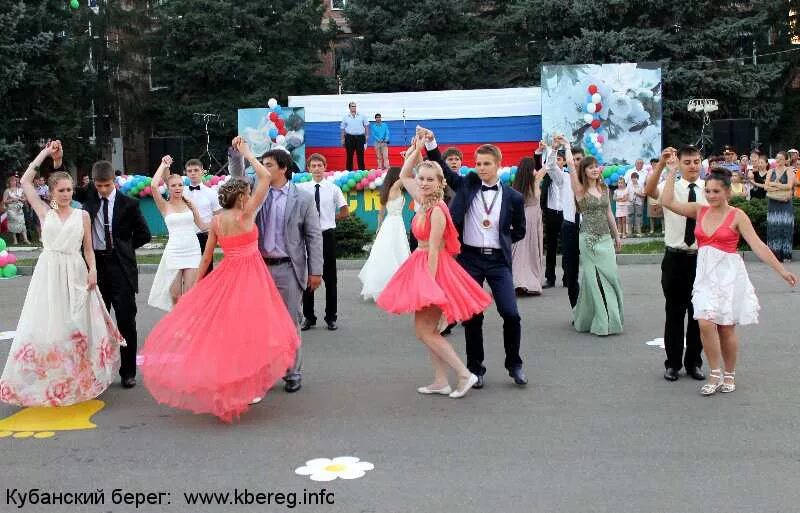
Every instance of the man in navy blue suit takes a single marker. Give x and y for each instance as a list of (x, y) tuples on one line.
[(489, 217)]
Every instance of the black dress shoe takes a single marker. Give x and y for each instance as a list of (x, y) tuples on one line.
[(519, 376), (129, 382), (307, 325), (332, 326), (292, 385), (549, 285), (671, 374), (695, 373), (478, 384), (448, 330)]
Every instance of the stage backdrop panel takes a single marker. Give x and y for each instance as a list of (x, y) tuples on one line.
[(263, 133), (613, 111)]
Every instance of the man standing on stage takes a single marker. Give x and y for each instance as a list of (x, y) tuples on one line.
[(355, 132)]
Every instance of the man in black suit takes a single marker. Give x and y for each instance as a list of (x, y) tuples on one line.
[(118, 228), (489, 217)]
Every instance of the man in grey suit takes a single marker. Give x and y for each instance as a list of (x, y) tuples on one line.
[(289, 238)]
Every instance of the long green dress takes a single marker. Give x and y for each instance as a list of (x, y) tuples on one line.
[(599, 306)]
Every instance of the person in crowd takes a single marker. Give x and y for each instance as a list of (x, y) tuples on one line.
[(730, 160), (289, 239), (65, 349), (490, 218), (382, 135), (219, 363), (430, 283), (204, 198), (780, 213), (553, 217), (623, 203), (794, 158), (85, 181), (390, 248), (331, 207), (454, 158), (738, 189), (14, 202), (177, 270), (527, 254), (637, 199), (745, 166), (758, 176), (722, 296), (599, 308), (655, 214), (680, 263), (355, 133), (42, 190)]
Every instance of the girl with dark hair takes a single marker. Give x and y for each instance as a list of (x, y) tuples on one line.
[(527, 254), (722, 295), (780, 213), (758, 176), (390, 248)]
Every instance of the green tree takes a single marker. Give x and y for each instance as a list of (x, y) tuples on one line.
[(217, 56)]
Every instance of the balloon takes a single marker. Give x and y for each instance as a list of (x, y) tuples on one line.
[(142, 194), (10, 270), (74, 4), (273, 116), (372, 186), (596, 98), (280, 139), (282, 131), (2, 245), (11, 259), (591, 108), (598, 106), (596, 124), (272, 103), (587, 118), (3, 261), (147, 190), (351, 182), (592, 89), (601, 139), (273, 133)]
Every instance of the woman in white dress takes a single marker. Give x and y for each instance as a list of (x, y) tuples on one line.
[(177, 271), (66, 348), (390, 248), (14, 201)]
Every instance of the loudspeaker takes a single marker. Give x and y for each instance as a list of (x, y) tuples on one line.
[(739, 133), (160, 146)]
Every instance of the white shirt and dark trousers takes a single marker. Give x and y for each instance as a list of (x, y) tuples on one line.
[(489, 219), (570, 224), (355, 138), (552, 217), (206, 200), (328, 199), (677, 280)]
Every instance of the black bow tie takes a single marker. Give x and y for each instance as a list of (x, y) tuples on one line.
[(194, 187), (489, 187)]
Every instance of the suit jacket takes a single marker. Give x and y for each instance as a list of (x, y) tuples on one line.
[(302, 236), (129, 230), (512, 205)]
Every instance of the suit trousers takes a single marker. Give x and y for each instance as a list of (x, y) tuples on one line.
[(570, 259), (328, 276), (202, 238), (355, 143), (495, 270), (117, 293), (292, 294), (552, 227), (677, 280)]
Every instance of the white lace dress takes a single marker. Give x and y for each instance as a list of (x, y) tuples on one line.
[(388, 252), (182, 252), (66, 348)]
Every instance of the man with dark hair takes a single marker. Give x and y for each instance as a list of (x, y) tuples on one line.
[(204, 198), (382, 136), (553, 217), (355, 133), (453, 158), (118, 229), (680, 263), (289, 239)]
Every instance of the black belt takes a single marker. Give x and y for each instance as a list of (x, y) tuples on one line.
[(690, 252), (482, 251), (103, 252), (277, 261)]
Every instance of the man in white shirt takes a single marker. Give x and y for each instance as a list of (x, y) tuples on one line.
[(680, 263), (204, 198), (552, 217), (355, 132), (331, 207)]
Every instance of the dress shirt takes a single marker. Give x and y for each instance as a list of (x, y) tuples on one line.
[(475, 234), (380, 132), (98, 230), (675, 224), (43, 192), (354, 125), (563, 182), (271, 223), (331, 200), (207, 202), (632, 190)]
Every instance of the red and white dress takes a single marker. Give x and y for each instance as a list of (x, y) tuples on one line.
[(722, 290)]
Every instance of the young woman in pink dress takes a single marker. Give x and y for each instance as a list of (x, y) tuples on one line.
[(722, 295), (230, 338), (430, 283)]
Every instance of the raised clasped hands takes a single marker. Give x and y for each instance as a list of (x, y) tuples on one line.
[(242, 147), (166, 161)]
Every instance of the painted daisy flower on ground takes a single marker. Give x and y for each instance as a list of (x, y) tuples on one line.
[(343, 467)]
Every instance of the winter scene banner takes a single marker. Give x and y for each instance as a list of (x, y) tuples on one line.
[(266, 128), (612, 111)]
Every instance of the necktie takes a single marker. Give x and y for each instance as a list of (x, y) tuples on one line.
[(194, 187), (688, 235), (107, 225), (316, 197), (489, 187)]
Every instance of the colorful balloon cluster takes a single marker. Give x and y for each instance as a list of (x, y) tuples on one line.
[(594, 137), (507, 174), (140, 186), (8, 269), (349, 180), (277, 131), (612, 174)]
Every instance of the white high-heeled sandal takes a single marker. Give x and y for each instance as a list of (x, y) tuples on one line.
[(711, 388), (461, 392), (445, 390), (727, 388)]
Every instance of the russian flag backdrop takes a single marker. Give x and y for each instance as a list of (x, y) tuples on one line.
[(509, 118)]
